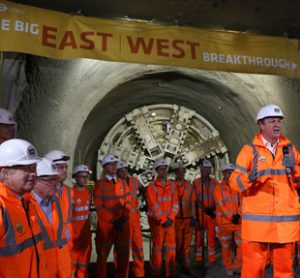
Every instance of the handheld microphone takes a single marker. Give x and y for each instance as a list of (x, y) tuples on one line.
[(285, 151)]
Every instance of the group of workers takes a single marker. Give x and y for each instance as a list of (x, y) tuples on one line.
[(44, 224), (253, 211)]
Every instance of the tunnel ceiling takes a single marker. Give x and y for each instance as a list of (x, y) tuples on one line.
[(274, 17)]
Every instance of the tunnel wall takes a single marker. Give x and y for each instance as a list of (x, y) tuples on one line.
[(71, 105)]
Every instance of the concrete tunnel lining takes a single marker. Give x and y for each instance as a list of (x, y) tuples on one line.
[(80, 100), (214, 102)]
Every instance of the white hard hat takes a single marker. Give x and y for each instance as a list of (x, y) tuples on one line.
[(17, 152), (160, 162), (81, 168), (206, 163), (46, 167), (179, 165), (108, 159), (6, 117), (228, 166), (121, 165), (270, 110), (58, 157)]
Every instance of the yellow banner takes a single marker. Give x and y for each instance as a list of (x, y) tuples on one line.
[(57, 35)]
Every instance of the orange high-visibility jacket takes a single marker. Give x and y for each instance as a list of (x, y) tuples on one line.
[(162, 201), (66, 205), (270, 209), (208, 193), (56, 250), (228, 202), (186, 198), (134, 187), (81, 203), (111, 200), (18, 249)]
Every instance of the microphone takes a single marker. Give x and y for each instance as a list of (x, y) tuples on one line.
[(285, 151)]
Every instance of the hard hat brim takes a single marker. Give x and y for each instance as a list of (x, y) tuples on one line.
[(21, 163)]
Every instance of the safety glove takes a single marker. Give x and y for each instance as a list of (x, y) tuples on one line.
[(168, 223), (118, 224), (235, 219), (210, 212), (193, 222)]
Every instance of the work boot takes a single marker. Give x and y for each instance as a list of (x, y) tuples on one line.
[(229, 272), (237, 271), (185, 270)]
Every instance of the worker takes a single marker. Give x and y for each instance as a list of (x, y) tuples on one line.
[(135, 223), (204, 191), (112, 203), (60, 160), (163, 207), (50, 219), (228, 219), (21, 245), (7, 125), (185, 219), (264, 173), (81, 226)]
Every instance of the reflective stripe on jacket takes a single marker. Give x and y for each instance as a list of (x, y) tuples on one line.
[(228, 202), (133, 184), (186, 198), (65, 201), (162, 200), (111, 200), (19, 251), (208, 192), (81, 227), (57, 253), (270, 210)]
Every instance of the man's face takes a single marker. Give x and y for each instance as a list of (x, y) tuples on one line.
[(110, 168), (162, 172), (205, 172), (82, 179), (6, 132), (21, 178), (227, 174), (180, 173), (45, 186), (122, 173), (62, 170), (271, 128)]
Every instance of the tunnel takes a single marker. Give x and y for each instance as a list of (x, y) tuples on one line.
[(74, 105)]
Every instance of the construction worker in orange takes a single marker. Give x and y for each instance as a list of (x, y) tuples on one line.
[(265, 173), (50, 219), (112, 203), (135, 222), (228, 218), (21, 245), (185, 219), (60, 160), (204, 191), (7, 125), (81, 226), (163, 207)]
